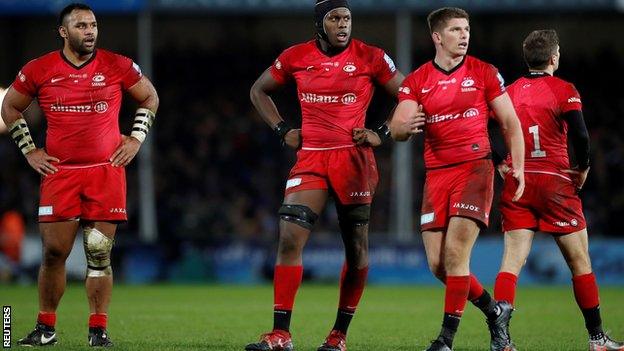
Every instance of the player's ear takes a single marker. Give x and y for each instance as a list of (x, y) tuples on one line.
[(62, 32), (435, 36)]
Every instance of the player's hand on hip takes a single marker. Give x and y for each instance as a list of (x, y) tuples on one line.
[(578, 177), (293, 138), (40, 161), (127, 149), (519, 177), (363, 136)]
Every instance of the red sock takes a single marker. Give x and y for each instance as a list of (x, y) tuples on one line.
[(286, 281), (457, 288), (586, 290), (352, 282), (98, 320), (505, 287), (476, 289), (47, 318)]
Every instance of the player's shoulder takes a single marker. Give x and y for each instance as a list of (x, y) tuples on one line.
[(44, 61), (112, 58), (300, 49), (476, 64), (559, 83), (362, 46)]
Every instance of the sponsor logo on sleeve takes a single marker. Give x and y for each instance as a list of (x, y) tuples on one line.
[(574, 99), (21, 76), (137, 68), (278, 64), (501, 81), (427, 218), (291, 183), (45, 211), (405, 90), (391, 65)]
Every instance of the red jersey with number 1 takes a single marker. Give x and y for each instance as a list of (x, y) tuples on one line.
[(81, 104), (540, 99), (455, 103), (334, 91)]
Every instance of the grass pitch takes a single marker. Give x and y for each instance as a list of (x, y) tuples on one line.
[(227, 317)]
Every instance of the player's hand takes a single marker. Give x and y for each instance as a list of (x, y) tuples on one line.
[(416, 122), (293, 138), (127, 149), (578, 177), (519, 177), (363, 136), (503, 168), (40, 161)]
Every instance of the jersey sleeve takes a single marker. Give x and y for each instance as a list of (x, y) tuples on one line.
[(494, 83), (26, 81), (407, 90), (281, 68), (569, 99), (132, 72), (384, 68)]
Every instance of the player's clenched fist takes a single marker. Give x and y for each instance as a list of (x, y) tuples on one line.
[(363, 136), (293, 138), (39, 160), (127, 149)]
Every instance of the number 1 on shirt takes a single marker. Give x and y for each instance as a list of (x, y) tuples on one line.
[(536, 151)]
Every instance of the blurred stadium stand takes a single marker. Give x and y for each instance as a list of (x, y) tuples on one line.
[(219, 171)]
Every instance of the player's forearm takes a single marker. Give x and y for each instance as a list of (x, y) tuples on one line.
[(514, 141), (151, 102), (10, 113), (265, 107)]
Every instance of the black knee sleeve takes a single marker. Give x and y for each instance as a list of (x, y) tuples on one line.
[(299, 214), (353, 215)]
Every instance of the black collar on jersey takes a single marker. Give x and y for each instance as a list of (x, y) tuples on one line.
[(83, 64), (452, 69), (537, 74), (321, 9)]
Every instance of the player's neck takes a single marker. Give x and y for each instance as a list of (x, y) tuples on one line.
[(75, 58), (328, 49), (446, 61)]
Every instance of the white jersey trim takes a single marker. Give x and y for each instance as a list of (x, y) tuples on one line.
[(326, 148), (85, 166), (551, 173)]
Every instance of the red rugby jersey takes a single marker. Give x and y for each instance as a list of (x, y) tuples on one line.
[(81, 104), (334, 91), (540, 99), (456, 107)]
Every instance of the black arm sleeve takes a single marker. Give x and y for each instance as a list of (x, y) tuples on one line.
[(578, 137), (497, 143)]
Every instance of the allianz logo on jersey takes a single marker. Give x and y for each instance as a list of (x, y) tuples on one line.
[(98, 107), (574, 99), (469, 113), (312, 98)]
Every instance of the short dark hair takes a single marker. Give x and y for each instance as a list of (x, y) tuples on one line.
[(539, 46), (438, 18), (69, 8)]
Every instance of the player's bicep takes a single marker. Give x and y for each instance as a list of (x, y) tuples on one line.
[(266, 82), (144, 93), (503, 109), (393, 85), (14, 104)]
